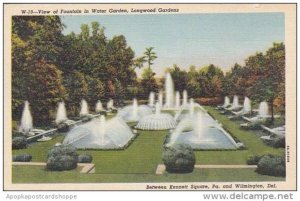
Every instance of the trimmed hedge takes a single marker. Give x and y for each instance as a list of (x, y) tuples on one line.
[(62, 157), (19, 142), (179, 158), (212, 101), (22, 158), (278, 143), (85, 158), (271, 165), (253, 160)]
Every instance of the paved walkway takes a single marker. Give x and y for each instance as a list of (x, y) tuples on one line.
[(86, 167), (161, 167)]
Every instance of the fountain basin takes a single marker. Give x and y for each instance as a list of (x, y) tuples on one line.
[(113, 134), (157, 122), (128, 114), (213, 139), (201, 132)]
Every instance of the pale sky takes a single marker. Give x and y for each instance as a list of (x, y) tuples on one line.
[(191, 39)]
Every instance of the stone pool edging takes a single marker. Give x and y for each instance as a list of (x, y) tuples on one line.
[(87, 168), (161, 168)]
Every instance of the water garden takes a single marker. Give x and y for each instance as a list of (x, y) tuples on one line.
[(99, 122)]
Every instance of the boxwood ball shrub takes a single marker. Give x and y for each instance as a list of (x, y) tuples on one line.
[(85, 158), (22, 158), (179, 158), (271, 165), (63, 127), (62, 157), (19, 142)]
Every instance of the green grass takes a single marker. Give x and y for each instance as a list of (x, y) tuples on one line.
[(139, 161), (38, 174), (142, 156)]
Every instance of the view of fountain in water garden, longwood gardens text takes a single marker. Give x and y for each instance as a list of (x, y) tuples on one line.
[(188, 122)]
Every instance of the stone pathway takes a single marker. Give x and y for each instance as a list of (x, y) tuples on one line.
[(87, 168), (161, 167)]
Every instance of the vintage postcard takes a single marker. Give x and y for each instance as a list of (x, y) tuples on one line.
[(150, 97)]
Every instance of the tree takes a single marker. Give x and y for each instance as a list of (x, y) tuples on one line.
[(180, 78), (77, 89), (36, 50), (150, 56), (269, 86), (45, 90), (147, 83), (139, 62)]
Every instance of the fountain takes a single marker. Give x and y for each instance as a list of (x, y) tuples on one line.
[(160, 98), (100, 134), (235, 102), (26, 120), (102, 128), (151, 99), (110, 104), (84, 108), (99, 107), (201, 132), (134, 112), (169, 89), (157, 121), (263, 110), (177, 100), (61, 115), (192, 106), (247, 105), (226, 102), (185, 97)]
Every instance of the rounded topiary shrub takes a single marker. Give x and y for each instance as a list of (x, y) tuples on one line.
[(85, 158), (253, 160), (62, 157), (63, 127), (22, 158), (271, 165), (179, 158), (278, 143), (19, 142)]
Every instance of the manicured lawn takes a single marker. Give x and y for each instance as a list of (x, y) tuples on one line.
[(142, 156), (37, 174), (139, 161)]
